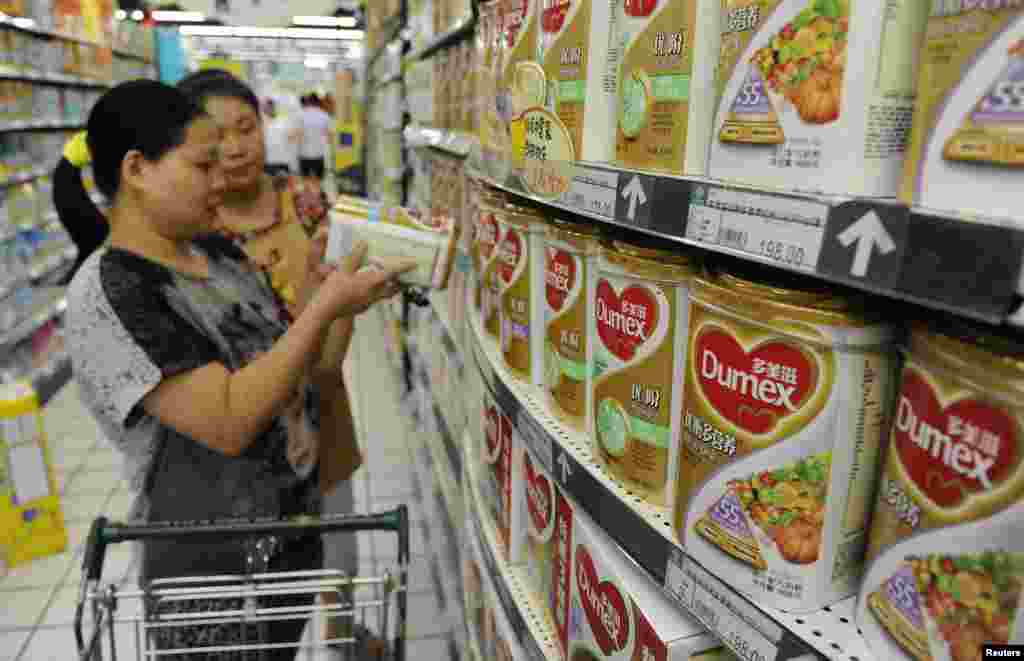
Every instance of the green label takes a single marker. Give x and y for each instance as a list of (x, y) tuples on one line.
[(571, 91), (671, 88), (649, 433), (573, 369), (612, 427)]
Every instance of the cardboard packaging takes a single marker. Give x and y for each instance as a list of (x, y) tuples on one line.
[(579, 57), (967, 146), (816, 95), (666, 100), (607, 609)]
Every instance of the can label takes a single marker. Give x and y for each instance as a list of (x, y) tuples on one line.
[(540, 529), (566, 274), (488, 237), (516, 310), (781, 437), (636, 368), (954, 456)]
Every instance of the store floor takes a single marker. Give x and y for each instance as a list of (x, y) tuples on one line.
[(37, 601)]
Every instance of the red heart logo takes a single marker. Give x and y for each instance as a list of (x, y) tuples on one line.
[(603, 605), (491, 433), (510, 253), (625, 323), (487, 234), (753, 390), (554, 14), (559, 277), (540, 499), (952, 452)]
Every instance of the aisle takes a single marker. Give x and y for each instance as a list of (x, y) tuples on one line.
[(37, 601)]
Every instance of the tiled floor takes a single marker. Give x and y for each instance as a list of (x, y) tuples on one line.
[(37, 601)]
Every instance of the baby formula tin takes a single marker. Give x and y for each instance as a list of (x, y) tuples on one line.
[(638, 326), (784, 413), (570, 278), (521, 271)]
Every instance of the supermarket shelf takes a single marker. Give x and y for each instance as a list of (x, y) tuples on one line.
[(447, 439), (131, 55), (50, 305), (12, 231), (26, 177), (52, 261), (456, 143), (41, 125), (49, 380), (537, 640), (55, 78), (645, 533), (462, 29), (28, 26), (876, 245)]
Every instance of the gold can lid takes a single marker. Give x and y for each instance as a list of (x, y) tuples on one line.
[(656, 251), (525, 217), (990, 353), (565, 227), (766, 283)]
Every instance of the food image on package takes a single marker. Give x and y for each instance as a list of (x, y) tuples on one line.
[(788, 506), (994, 131)]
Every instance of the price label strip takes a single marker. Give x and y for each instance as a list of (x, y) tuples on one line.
[(781, 230), (745, 630), (592, 191)]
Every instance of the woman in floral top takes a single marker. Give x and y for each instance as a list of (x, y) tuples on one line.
[(272, 219)]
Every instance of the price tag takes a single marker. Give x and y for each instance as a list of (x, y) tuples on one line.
[(592, 191), (677, 582), (786, 231), (535, 438), (730, 618)]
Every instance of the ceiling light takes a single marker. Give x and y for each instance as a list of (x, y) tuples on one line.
[(325, 21), (270, 33), (316, 62), (179, 16), (137, 15), (25, 23)]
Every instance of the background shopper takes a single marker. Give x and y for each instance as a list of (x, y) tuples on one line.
[(316, 138), (282, 134), (182, 352)]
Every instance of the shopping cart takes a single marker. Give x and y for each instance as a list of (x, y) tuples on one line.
[(251, 602)]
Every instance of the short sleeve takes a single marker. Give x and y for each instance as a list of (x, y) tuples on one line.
[(124, 336)]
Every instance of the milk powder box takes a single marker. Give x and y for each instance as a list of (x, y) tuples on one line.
[(580, 65), (537, 492), (666, 81), (498, 640), (607, 609), (816, 95), (496, 476), (967, 145)]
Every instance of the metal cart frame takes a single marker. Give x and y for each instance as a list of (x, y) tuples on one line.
[(250, 591)]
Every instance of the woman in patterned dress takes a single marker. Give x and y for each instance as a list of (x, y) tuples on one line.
[(192, 365)]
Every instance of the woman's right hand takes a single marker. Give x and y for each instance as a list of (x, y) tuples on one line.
[(349, 290)]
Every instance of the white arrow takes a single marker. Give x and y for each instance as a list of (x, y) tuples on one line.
[(634, 192), (563, 462), (869, 232)]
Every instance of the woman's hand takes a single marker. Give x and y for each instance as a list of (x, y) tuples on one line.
[(348, 290)]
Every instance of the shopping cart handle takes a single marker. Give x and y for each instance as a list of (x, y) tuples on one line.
[(104, 532)]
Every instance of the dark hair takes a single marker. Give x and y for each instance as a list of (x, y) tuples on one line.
[(141, 115), (203, 85)]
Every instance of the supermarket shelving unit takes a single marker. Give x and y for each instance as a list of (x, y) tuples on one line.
[(939, 262), (48, 302)]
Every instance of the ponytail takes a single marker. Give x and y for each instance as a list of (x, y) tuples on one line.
[(82, 220)]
